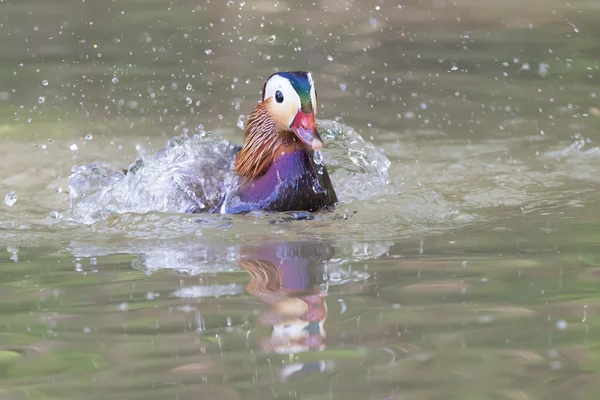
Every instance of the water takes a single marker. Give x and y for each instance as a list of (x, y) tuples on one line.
[(192, 174), (466, 267)]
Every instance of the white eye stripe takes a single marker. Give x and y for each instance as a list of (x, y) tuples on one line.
[(285, 111), (282, 84)]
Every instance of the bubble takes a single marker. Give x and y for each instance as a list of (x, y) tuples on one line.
[(115, 79), (10, 199), (89, 136), (189, 87), (41, 99), (45, 82), (272, 39)]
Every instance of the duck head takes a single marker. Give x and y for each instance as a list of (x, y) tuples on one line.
[(283, 122)]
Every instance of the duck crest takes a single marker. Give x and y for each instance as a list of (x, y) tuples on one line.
[(302, 83)]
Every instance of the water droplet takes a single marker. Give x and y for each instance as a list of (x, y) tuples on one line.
[(10, 199), (318, 157), (188, 100), (41, 99), (561, 325), (189, 87), (272, 39), (45, 82), (14, 253), (89, 136), (343, 87), (241, 121), (555, 365), (56, 215), (208, 51), (329, 58), (115, 79), (73, 147), (543, 70)]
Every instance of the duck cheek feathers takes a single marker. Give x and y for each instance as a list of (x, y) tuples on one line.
[(283, 113)]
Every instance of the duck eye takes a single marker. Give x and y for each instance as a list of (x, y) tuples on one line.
[(279, 96)]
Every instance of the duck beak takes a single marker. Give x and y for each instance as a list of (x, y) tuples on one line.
[(305, 128)]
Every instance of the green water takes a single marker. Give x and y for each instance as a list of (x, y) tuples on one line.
[(474, 274)]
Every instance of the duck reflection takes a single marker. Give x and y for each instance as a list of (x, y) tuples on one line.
[(291, 277)]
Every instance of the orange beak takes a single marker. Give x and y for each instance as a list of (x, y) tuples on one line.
[(305, 128)]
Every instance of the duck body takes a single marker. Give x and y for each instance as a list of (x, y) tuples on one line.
[(293, 182)]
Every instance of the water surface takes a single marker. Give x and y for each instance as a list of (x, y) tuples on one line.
[(467, 270)]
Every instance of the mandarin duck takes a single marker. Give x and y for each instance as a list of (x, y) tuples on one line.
[(276, 168), (276, 164)]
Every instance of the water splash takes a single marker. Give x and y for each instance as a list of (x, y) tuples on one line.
[(357, 168), (195, 172), (185, 176)]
